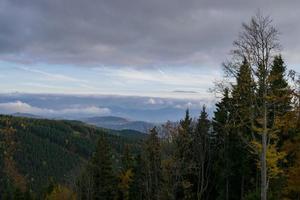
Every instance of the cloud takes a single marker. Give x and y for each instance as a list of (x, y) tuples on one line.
[(21, 107), (52, 76), (153, 101), (134, 32), (184, 91), (187, 105), (185, 77)]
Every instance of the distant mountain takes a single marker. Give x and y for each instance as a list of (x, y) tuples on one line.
[(18, 114), (108, 120), (118, 123)]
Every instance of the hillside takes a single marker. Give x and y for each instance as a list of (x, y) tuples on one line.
[(48, 149)]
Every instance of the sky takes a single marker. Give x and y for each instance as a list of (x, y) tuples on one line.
[(157, 48)]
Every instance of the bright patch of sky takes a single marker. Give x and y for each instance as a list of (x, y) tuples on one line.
[(174, 82)]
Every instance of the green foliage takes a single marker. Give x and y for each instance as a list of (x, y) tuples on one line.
[(152, 161), (103, 178), (56, 150)]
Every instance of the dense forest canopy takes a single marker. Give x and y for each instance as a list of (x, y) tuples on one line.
[(36, 153)]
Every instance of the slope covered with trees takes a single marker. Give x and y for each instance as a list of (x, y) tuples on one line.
[(36, 153)]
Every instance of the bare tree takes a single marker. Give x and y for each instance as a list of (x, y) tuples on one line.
[(258, 44)]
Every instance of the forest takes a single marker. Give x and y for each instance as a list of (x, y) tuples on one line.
[(249, 149)]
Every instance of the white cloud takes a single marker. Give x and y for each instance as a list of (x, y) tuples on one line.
[(187, 78), (187, 105), (153, 101), (21, 107)]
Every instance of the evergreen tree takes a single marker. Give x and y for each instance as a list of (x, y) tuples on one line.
[(243, 97), (126, 175), (127, 159), (138, 189), (183, 160), (279, 97), (221, 115), (291, 145), (103, 179), (242, 120), (153, 169), (280, 92), (202, 156), (221, 123)]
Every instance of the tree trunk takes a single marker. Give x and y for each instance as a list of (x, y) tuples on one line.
[(227, 189), (264, 186), (242, 187)]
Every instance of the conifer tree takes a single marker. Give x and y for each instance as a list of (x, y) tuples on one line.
[(138, 190), (242, 120), (221, 115), (280, 92), (183, 159), (279, 97), (202, 156), (291, 145), (103, 179), (242, 99), (152, 153), (221, 127), (126, 175)]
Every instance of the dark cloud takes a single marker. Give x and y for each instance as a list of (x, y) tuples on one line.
[(135, 32), (183, 91)]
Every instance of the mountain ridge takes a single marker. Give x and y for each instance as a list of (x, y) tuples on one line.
[(118, 123)]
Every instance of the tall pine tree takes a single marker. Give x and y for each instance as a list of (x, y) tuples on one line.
[(153, 168), (183, 160), (103, 176), (202, 156)]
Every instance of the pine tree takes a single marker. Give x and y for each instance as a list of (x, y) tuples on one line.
[(138, 190), (127, 158), (153, 168), (103, 179), (291, 145), (279, 97), (202, 156), (279, 100), (126, 175), (279, 88), (242, 120), (231, 124), (221, 115), (242, 99), (183, 159), (221, 127)]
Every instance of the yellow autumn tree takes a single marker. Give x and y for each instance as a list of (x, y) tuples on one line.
[(61, 192), (124, 184), (291, 125)]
